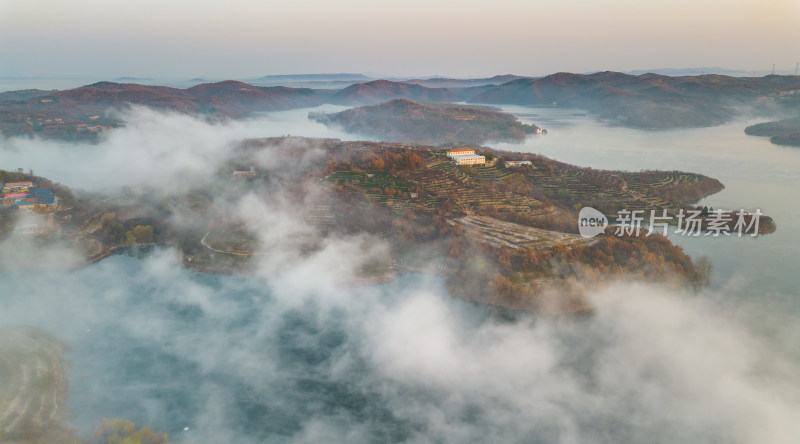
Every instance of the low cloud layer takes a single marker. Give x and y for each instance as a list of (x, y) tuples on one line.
[(295, 356), (294, 352), (152, 148)]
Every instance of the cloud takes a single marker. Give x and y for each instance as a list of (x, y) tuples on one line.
[(155, 149), (295, 352), (294, 355)]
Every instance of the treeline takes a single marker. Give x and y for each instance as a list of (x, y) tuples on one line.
[(390, 160), (122, 431)]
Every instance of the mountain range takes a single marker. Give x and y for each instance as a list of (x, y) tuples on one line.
[(651, 101)]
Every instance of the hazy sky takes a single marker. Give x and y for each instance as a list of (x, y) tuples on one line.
[(243, 38)]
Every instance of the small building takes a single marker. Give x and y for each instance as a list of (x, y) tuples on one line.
[(472, 159), (38, 198), (247, 173), (518, 163), (460, 152), (17, 187)]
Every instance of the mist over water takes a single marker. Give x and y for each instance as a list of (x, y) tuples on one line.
[(291, 353), (154, 146), (247, 360)]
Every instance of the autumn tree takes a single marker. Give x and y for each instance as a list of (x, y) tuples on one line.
[(141, 234), (121, 431)]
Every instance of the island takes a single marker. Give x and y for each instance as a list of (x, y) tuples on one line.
[(503, 230), (782, 132), (402, 120)]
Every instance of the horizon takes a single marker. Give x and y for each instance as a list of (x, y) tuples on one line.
[(665, 71), (10, 84)]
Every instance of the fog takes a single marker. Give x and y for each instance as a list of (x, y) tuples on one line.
[(154, 148), (297, 356), (295, 352)]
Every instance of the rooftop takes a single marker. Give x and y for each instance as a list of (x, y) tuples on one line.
[(468, 157)]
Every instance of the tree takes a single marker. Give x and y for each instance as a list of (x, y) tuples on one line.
[(144, 234), (130, 239), (141, 234), (703, 270), (377, 163)]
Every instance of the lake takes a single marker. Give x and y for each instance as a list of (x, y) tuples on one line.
[(294, 356)]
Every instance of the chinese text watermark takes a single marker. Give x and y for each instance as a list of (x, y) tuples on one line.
[(592, 222)]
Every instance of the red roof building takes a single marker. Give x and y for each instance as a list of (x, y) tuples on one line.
[(460, 152)]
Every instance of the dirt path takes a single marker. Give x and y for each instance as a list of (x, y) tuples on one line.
[(235, 253)]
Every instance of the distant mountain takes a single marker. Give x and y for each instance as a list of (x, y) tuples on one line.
[(442, 82), (379, 91), (402, 120), (62, 114), (644, 101), (237, 99), (313, 77), (651, 101), (134, 79), (695, 71), (228, 99)]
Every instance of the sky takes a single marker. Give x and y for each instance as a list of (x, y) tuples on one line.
[(465, 38)]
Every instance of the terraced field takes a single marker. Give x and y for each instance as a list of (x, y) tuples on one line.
[(375, 185), (32, 382), (493, 173), (647, 187), (675, 178), (522, 194), (513, 235)]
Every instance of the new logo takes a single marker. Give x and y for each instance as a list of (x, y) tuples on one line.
[(591, 222)]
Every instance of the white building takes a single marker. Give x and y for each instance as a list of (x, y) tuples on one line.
[(518, 163), (471, 159)]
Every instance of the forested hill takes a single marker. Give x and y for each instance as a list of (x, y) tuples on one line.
[(782, 132), (402, 120)]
